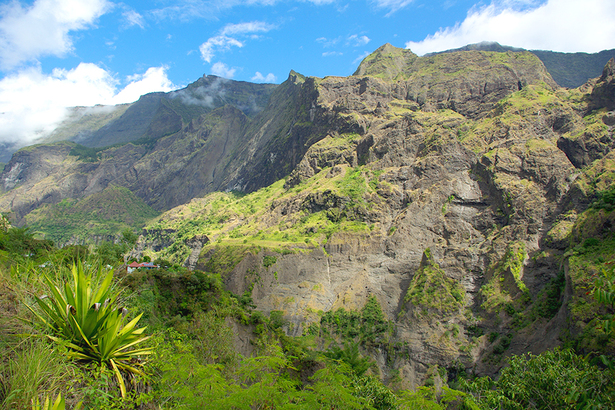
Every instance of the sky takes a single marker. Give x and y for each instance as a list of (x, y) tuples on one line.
[(56, 54)]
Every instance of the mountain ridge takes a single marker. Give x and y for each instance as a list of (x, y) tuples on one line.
[(567, 69), (455, 189)]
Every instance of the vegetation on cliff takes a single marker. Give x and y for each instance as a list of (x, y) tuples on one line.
[(104, 215), (193, 358)]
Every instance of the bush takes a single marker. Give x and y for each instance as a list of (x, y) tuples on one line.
[(556, 379), (87, 319)]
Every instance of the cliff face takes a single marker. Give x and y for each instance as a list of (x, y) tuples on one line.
[(453, 188), (448, 194)]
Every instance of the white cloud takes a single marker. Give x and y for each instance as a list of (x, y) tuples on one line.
[(27, 33), (207, 9), (133, 19), (392, 5), (154, 79), (33, 103), (259, 78), (558, 25), (227, 37), (222, 70), (215, 44), (321, 2), (332, 53), (243, 28), (358, 41), (328, 42)]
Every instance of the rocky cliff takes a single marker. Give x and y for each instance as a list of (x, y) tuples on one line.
[(466, 192)]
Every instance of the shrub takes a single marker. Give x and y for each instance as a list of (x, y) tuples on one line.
[(86, 318)]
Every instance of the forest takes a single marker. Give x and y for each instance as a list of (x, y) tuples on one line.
[(77, 331)]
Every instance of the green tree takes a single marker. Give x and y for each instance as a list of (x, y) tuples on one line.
[(555, 379), (129, 237)]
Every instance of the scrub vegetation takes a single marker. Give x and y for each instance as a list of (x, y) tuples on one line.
[(76, 334)]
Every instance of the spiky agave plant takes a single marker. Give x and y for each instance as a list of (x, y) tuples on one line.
[(58, 404), (86, 318)]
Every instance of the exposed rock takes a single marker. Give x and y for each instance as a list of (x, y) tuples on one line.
[(195, 244), (603, 94)]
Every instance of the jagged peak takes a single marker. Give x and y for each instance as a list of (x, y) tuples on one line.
[(609, 69), (387, 48), (387, 62), (603, 94), (295, 77)]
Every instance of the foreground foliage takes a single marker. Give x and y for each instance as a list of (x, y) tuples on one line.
[(557, 379), (87, 318), (92, 349)]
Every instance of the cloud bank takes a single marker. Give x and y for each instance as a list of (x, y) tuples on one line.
[(33, 103), (558, 25)]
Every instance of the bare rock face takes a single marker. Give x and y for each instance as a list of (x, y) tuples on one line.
[(476, 177), (195, 244), (603, 94), (596, 141)]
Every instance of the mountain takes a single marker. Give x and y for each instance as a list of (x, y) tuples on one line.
[(567, 69), (102, 126), (154, 115), (466, 193)]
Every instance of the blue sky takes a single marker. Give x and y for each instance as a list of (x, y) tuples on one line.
[(61, 53)]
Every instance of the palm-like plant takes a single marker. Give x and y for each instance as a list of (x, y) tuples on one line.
[(59, 404), (86, 318)]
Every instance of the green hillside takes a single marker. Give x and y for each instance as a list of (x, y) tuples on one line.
[(104, 214)]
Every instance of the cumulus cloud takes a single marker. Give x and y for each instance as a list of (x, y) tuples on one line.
[(33, 103), (27, 33), (559, 25), (227, 38), (222, 70), (259, 78), (154, 79)]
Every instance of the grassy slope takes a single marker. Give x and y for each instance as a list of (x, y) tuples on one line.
[(106, 213), (256, 219)]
